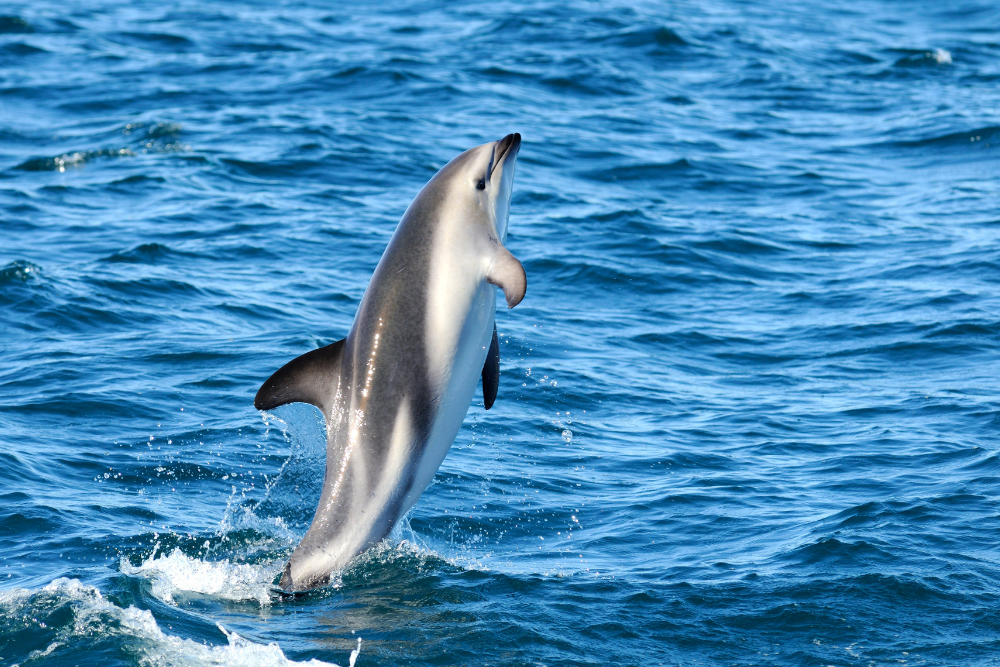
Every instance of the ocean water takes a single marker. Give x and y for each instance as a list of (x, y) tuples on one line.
[(749, 408)]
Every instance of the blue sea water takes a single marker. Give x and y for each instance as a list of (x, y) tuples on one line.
[(749, 407)]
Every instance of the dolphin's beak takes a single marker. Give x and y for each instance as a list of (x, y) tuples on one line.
[(509, 145)]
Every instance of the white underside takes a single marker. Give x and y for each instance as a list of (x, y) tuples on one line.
[(459, 386)]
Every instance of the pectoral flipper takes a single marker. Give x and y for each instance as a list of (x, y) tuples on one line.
[(491, 371)]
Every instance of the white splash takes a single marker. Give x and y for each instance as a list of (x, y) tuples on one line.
[(95, 616), (355, 653), (940, 56), (177, 572)]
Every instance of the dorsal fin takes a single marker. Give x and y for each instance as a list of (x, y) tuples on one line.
[(311, 378), (508, 274), (491, 371)]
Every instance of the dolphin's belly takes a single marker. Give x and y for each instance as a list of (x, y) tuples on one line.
[(457, 390)]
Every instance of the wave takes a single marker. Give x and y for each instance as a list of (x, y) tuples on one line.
[(76, 159), (14, 25), (22, 49), (934, 58), (661, 37), (159, 137), (64, 619), (982, 136), (20, 270), (146, 253), (156, 41), (160, 130)]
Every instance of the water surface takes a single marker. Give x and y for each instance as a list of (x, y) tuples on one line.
[(748, 410)]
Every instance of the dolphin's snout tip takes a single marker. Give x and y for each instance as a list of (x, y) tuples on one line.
[(511, 141), (505, 148)]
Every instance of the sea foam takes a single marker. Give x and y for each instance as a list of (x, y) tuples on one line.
[(94, 616)]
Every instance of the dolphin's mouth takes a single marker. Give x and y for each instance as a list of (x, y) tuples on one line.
[(510, 144)]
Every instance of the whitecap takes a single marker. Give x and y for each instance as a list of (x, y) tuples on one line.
[(941, 56)]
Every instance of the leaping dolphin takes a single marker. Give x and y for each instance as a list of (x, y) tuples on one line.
[(395, 391)]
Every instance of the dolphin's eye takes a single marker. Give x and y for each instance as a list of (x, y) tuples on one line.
[(481, 185)]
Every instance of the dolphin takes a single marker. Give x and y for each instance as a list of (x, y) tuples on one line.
[(395, 391)]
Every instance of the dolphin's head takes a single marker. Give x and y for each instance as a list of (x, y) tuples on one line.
[(480, 181)]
